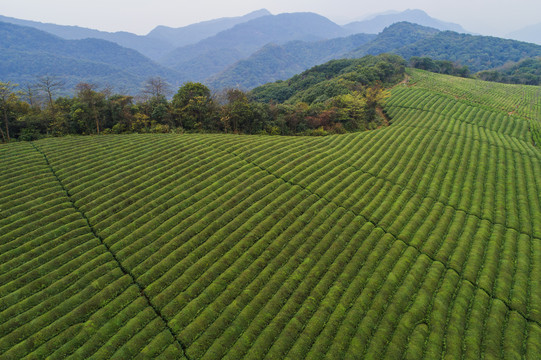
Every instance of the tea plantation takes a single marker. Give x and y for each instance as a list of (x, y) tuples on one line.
[(417, 240)]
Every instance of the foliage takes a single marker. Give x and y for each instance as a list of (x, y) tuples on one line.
[(334, 78), (474, 51), (527, 72), (438, 66), (313, 99)]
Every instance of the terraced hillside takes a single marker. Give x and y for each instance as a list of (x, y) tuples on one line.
[(418, 240)]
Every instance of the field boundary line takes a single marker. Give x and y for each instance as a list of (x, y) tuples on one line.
[(376, 225), (124, 270)]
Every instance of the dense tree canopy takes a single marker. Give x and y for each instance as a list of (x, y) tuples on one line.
[(335, 97)]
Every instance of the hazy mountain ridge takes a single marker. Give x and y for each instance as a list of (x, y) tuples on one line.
[(29, 53), (279, 62), (531, 33), (249, 37), (152, 48), (194, 33), (156, 44), (378, 23), (393, 37), (253, 49)]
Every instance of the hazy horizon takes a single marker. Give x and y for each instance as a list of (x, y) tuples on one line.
[(140, 17)]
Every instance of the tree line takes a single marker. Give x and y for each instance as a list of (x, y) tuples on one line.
[(34, 111)]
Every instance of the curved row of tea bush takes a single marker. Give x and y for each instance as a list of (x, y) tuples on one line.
[(62, 293), (418, 240)]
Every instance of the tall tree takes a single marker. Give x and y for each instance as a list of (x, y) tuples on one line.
[(156, 87), (7, 98), (237, 112), (88, 95), (192, 105), (50, 85)]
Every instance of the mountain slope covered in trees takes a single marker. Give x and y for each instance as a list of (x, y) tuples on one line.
[(476, 52), (279, 62), (28, 53), (209, 56), (251, 51), (526, 72)]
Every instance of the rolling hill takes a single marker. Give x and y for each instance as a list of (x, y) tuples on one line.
[(476, 52), (527, 72), (28, 53), (417, 240), (276, 62), (152, 48)]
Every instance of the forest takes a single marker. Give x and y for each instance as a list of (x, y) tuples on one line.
[(337, 97)]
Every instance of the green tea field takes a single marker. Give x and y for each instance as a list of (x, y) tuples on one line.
[(420, 240)]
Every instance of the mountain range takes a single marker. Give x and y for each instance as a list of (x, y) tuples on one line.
[(376, 24), (405, 39), (244, 51)]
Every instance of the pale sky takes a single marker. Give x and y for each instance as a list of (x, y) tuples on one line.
[(487, 17)]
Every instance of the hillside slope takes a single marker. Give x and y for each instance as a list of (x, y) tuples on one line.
[(152, 48), (279, 62), (417, 240), (28, 53), (215, 53), (476, 52)]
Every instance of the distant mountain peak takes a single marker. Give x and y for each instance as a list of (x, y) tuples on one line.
[(531, 33), (191, 34), (377, 23)]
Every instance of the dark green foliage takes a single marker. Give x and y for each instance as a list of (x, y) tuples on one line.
[(476, 52), (395, 37), (527, 72), (309, 96), (193, 107), (438, 66), (334, 78)]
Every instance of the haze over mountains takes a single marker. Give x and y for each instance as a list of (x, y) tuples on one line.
[(377, 23), (244, 51)]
